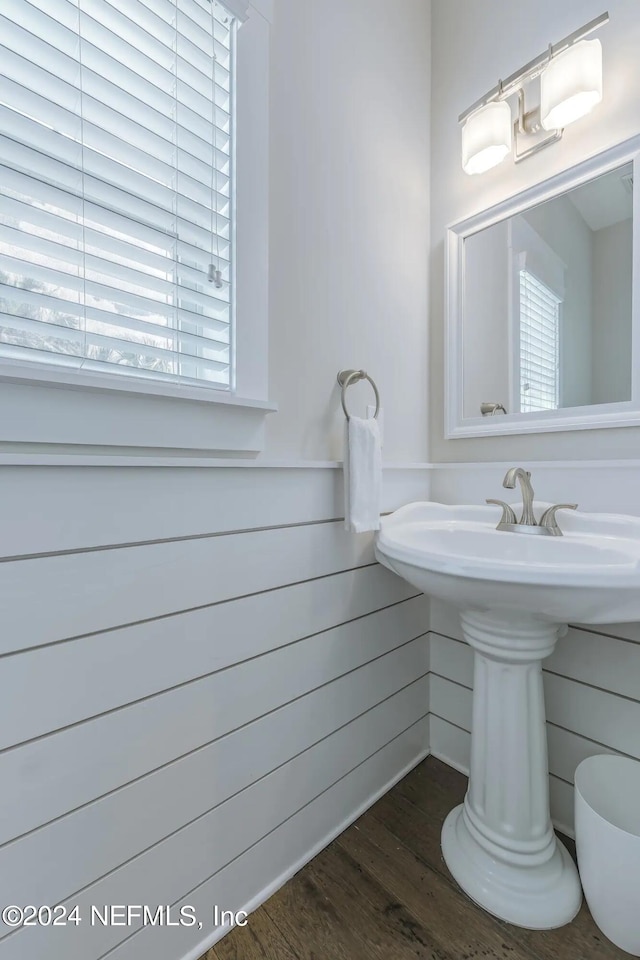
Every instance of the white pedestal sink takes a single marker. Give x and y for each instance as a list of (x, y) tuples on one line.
[(515, 593)]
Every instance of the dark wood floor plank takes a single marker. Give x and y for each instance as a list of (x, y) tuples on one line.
[(211, 954), (383, 924), (416, 829), (447, 914), (433, 787), (260, 939), (580, 940), (310, 924), (383, 892)]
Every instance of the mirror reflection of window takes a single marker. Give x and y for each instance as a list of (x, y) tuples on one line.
[(539, 284), (547, 302), (539, 345)]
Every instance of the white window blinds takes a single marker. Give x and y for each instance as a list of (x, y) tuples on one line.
[(116, 190), (539, 345)]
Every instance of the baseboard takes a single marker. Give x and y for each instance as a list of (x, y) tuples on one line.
[(563, 828), (449, 762), (197, 952)]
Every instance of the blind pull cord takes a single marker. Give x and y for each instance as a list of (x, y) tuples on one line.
[(215, 273)]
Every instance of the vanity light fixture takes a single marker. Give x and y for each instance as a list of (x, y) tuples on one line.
[(570, 86), (486, 137)]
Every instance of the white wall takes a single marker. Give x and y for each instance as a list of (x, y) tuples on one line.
[(613, 265), (349, 220), (204, 676), (485, 354), (473, 45)]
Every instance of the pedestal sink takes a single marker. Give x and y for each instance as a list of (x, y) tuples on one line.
[(515, 594)]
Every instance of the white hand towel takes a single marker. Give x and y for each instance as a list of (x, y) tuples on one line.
[(362, 475)]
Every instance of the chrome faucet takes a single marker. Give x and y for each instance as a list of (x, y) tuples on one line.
[(517, 473), (527, 523)]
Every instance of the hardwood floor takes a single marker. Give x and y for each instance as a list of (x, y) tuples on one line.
[(382, 891)]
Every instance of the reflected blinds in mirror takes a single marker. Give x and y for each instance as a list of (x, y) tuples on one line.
[(539, 345)]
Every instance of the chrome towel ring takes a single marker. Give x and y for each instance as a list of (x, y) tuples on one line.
[(346, 378)]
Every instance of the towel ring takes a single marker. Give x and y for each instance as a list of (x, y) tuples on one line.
[(346, 378)]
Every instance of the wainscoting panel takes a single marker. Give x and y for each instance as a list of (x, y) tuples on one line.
[(450, 743), (303, 610), (610, 486), (306, 834), (192, 709), (124, 823), (190, 855), (72, 508), (86, 593)]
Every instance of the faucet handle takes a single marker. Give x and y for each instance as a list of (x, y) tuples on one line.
[(548, 518), (508, 516)]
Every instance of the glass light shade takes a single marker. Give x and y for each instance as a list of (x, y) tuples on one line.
[(486, 137), (571, 85)]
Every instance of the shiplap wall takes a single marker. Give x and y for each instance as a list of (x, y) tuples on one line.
[(592, 680), (203, 679)]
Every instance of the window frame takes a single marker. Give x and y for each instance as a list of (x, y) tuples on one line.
[(50, 409)]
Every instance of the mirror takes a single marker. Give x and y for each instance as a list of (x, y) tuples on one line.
[(541, 312)]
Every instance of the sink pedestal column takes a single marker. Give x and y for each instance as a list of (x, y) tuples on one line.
[(499, 844)]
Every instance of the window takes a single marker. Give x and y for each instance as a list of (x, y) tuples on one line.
[(114, 342), (117, 187), (539, 345)]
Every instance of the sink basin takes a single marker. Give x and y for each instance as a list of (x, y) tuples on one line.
[(591, 574), (515, 593)]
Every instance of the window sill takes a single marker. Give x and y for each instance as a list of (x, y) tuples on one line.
[(54, 409), (69, 379)]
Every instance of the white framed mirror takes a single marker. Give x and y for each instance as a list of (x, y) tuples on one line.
[(543, 324)]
